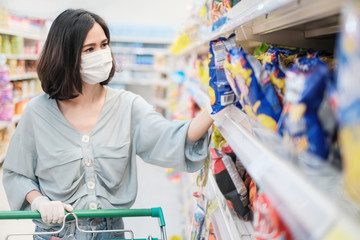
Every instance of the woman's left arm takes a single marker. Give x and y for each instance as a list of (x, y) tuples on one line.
[(199, 125)]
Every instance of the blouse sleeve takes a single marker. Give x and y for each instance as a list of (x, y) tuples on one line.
[(18, 169), (164, 143)]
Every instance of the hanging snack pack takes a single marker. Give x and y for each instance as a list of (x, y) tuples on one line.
[(229, 182), (267, 223), (221, 94), (258, 98), (348, 85), (305, 85)]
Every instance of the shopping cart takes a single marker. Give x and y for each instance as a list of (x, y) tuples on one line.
[(103, 213)]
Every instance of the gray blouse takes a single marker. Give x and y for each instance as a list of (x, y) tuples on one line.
[(97, 169)]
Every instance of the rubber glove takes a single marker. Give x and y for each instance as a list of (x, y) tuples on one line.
[(50, 211)]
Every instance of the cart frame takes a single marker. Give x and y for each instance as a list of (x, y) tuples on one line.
[(101, 213)]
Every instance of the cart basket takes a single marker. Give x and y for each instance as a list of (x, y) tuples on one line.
[(101, 213)]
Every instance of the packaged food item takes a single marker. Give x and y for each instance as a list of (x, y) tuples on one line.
[(300, 123), (6, 44), (257, 97), (198, 219), (267, 223), (221, 94), (230, 183), (347, 86)]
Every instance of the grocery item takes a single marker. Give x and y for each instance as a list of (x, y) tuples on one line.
[(221, 94), (299, 123), (267, 223), (347, 86), (229, 182), (257, 97)]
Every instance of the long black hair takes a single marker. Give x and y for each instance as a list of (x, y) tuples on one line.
[(59, 64)]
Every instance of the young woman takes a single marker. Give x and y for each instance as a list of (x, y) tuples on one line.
[(75, 146)]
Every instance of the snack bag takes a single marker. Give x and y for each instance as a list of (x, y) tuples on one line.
[(299, 123), (348, 91), (221, 94), (267, 223), (229, 182), (243, 72)]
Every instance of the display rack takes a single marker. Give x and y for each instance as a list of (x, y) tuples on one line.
[(141, 69), (24, 87), (307, 193)]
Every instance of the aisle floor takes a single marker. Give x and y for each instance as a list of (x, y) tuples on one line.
[(155, 190)]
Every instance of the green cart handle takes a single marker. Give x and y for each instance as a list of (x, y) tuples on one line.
[(100, 213)]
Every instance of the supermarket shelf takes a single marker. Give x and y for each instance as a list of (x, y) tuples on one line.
[(130, 81), (140, 51), (24, 34), (16, 118), (287, 22), (24, 98), (141, 40), (4, 124), (138, 67), (309, 212), (234, 228), (23, 76), (312, 202), (162, 83), (200, 96), (22, 56)]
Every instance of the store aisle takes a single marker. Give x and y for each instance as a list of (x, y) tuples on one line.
[(155, 190)]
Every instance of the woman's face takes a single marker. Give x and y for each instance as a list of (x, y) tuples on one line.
[(95, 40)]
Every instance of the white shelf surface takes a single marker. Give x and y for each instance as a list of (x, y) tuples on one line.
[(140, 51), (24, 34), (138, 67), (131, 81), (254, 19), (22, 56), (24, 76), (141, 40)]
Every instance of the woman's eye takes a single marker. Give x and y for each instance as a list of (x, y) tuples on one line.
[(88, 50), (105, 44)]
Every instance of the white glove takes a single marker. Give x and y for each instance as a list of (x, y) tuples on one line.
[(50, 211)]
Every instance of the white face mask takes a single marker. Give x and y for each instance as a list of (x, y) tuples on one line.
[(95, 67)]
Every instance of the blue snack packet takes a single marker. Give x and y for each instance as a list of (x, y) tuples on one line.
[(257, 97), (221, 94), (305, 87)]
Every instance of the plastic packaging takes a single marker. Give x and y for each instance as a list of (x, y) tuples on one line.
[(299, 123), (348, 85), (221, 94), (258, 98)]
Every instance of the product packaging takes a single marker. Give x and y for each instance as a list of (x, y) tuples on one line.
[(267, 223), (221, 94), (257, 97), (300, 123), (348, 91), (230, 183)]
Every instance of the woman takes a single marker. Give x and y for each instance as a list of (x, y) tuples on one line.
[(76, 145)]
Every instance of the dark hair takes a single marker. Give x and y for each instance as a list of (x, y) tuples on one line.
[(59, 64)]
